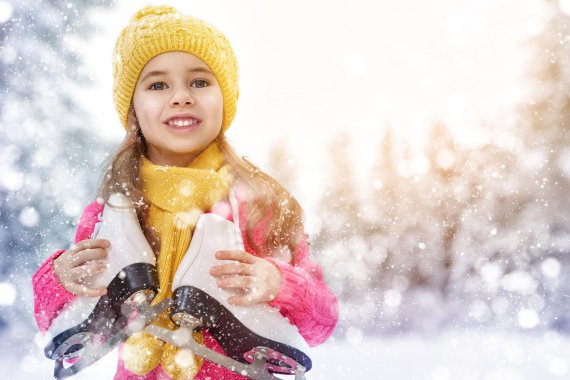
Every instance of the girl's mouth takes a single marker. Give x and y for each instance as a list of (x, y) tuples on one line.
[(182, 122)]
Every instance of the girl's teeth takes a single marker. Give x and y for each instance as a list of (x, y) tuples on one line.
[(181, 123)]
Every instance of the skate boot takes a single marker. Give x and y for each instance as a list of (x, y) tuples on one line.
[(256, 334), (87, 328)]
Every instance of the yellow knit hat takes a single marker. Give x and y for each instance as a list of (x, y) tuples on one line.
[(154, 30)]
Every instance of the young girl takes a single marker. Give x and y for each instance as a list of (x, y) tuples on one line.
[(176, 90)]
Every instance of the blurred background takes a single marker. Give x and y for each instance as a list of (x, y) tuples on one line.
[(426, 140)]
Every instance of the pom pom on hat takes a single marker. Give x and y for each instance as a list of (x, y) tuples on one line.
[(154, 30), (153, 10)]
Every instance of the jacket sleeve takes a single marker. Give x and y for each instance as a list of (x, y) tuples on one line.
[(304, 297), (49, 295)]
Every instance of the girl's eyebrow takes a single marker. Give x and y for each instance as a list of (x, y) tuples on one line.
[(192, 70)]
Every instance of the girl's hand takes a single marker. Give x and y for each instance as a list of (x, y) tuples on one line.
[(257, 279), (82, 259)]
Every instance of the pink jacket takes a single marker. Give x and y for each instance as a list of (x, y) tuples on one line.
[(304, 298)]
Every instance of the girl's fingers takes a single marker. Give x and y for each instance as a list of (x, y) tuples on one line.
[(89, 244), (81, 290), (79, 261), (231, 269), (80, 272), (236, 282), (86, 255), (258, 279), (73, 281), (240, 256), (245, 300)]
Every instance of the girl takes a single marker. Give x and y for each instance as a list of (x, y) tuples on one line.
[(175, 90)]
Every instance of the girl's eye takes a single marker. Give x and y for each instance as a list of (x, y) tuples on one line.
[(158, 86), (199, 83)]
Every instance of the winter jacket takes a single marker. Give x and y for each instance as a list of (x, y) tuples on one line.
[(303, 298)]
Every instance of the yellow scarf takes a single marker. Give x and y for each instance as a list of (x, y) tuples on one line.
[(178, 196)]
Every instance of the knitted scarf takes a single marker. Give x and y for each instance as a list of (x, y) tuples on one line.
[(178, 196)]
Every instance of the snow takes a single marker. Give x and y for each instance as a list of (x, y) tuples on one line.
[(528, 318), (11, 179), (29, 217), (457, 355), (7, 293), (551, 267), (5, 12)]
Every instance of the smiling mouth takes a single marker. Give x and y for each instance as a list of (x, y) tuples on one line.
[(182, 122)]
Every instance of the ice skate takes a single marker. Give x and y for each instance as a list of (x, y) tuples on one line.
[(256, 334), (87, 328)]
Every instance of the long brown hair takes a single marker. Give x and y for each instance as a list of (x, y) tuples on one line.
[(266, 198)]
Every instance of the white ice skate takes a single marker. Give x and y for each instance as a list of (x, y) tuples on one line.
[(256, 334), (87, 328)]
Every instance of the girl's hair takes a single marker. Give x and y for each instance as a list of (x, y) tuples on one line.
[(266, 198)]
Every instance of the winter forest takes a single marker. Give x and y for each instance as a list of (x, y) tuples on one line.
[(450, 236)]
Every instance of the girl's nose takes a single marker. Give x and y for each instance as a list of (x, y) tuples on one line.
[(182, 97)]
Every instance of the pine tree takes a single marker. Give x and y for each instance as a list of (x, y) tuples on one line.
[(50, 161), (340, 246), (546, 122)]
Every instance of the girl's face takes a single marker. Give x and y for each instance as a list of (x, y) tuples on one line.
[(178, 103)]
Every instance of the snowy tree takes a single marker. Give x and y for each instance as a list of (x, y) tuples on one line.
[(416, 212), (458, 235), (545, 122), (341, 245), (514, 242), (50, 161)]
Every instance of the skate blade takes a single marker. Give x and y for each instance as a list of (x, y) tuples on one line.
[(88, 347), (234, 337), (275, 361), (79, 352), (257, 370), (133, 282)]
